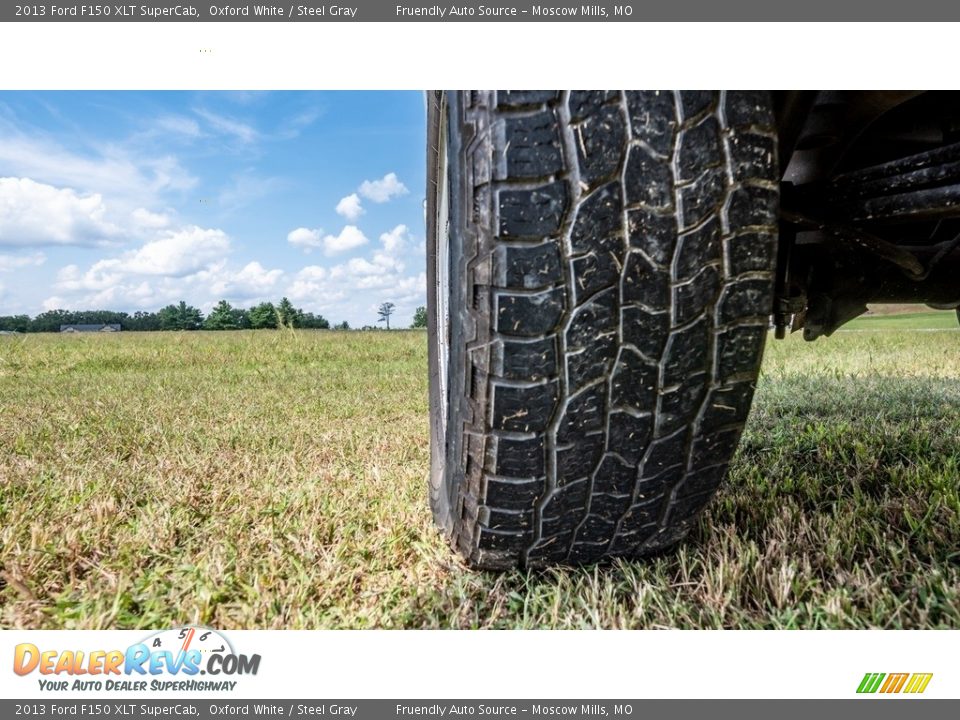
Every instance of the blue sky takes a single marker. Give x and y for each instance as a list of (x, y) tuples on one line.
[(133, 200)]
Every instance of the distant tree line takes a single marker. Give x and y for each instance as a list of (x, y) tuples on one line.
[(419, 317), (177, 317)]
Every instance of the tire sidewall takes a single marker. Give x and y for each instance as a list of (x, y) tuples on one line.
[(445, 446)]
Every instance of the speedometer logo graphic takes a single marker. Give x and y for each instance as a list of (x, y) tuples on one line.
[(179, 641)]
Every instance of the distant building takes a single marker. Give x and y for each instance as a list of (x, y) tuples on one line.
[(105, 327)]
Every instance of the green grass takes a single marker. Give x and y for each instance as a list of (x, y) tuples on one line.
[(923, 320), (276, 480)]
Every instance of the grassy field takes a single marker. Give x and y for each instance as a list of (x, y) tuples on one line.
[(922, 320), (276, 480)]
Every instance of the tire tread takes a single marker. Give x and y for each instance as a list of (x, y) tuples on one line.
[(621, 250)]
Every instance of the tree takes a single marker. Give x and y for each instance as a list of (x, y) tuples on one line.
[(51, 320), (15, 323), (101, 317), (180, 317), (241, 318), (263, 315), (314, 322), (288, 316), (420, 317), (342, 326), (224, 317), (141, 320), (385, 311)]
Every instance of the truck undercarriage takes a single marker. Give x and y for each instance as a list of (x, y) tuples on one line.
[(870, 204)]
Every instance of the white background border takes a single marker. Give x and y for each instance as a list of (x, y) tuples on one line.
[(582, 664), (353, 56)]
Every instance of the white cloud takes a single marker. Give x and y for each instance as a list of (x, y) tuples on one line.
[(149, 220), (127, 178), (245, 188), (181, 264), (396, 240), (312, 287), (16, 262), (292, 126), (252, 281), (228, 126), (127, 282), (245, 97), (68, 274), (345, 289), (349, 238), (339, 290), (33, 213), (305, 238), (384, 189), (360, 268), (313, 272), (177, 253), (178, 125), (140, 294), (54, 302), (350, 207)]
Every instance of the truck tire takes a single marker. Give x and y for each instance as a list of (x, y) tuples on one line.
[(602, 268)]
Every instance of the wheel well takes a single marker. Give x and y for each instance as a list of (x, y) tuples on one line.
[(870, 204)]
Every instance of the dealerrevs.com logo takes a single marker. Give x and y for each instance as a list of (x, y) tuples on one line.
[(893, 683), (169, 660)]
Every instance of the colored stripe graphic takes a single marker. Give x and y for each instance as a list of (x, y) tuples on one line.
[(870, 682), (893, 683), (918, 682)]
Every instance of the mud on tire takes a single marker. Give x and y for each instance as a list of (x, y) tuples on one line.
[(602, 315)]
